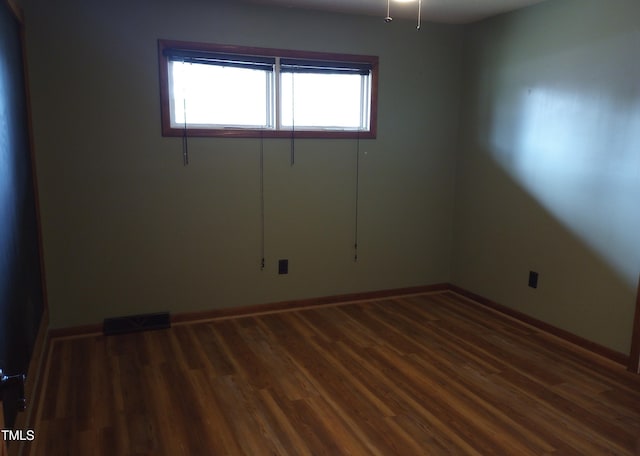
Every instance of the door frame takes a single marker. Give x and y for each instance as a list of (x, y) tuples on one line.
[(634, 355), (3, 444), (37, 360)]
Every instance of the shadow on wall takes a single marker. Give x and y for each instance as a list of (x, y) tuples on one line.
[(566, 126), (550, 171), (577, 155), (559, 112), (508, 231)]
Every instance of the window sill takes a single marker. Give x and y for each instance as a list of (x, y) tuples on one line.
[(256, 133)]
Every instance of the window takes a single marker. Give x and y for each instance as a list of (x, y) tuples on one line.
[(220, 93), (221, 90)]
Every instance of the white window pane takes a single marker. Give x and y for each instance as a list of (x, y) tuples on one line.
[(217, 95), (322, 100)]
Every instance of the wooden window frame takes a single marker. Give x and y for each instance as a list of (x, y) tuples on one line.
[(169, 130)]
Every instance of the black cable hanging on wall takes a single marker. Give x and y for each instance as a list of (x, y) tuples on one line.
[(355, 245), (262, 243), (293, 121), (185, 136)]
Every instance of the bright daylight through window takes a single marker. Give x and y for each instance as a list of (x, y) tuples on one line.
[(210, 95), (214, 90)]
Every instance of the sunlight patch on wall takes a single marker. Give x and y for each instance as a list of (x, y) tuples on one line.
[(578, 154)]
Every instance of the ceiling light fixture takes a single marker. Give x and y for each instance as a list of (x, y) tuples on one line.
[(388, 17)]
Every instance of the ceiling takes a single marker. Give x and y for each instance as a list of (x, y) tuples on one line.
[(447, 11)]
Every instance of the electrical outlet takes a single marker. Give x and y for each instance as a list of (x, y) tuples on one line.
[(283, 267), (533, 279)]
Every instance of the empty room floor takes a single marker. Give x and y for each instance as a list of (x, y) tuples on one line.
[(427, 374)]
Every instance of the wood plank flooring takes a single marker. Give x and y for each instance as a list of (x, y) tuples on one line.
[(423, 375)]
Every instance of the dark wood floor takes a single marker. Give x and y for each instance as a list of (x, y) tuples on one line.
[(423, 375)]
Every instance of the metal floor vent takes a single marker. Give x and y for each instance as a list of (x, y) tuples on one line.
[(135, 323)]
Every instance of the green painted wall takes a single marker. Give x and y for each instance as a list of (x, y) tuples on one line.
[(549, 171), (543, 173), (128, 229)]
